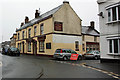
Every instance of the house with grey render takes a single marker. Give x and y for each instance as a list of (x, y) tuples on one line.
[(109, 21)]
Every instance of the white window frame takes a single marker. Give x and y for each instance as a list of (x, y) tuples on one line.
[(113, 46), (117, 15)]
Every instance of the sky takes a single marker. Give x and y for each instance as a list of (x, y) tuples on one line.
[(13, 12)]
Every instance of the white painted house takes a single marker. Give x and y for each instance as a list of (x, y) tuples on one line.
[(109, 21)]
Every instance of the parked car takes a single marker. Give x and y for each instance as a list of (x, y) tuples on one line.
[(92, 54), (12, 51), (5, 50), (65, 54)]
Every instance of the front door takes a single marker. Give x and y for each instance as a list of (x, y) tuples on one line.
[(35, 47)]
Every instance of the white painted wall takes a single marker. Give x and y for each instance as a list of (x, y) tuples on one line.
[(107, 30), (66, 39)]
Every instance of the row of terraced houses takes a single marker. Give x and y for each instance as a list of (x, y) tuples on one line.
[(58, 28)]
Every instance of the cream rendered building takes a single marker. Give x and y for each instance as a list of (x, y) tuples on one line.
[(90, 38), (57, 28)]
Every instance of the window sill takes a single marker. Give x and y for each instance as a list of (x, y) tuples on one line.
[(114, 54), (112, 22)]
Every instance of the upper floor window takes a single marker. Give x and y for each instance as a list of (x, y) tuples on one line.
[(58, 26), (41, 29), (114, 13), (95, 38), (35, 30), (83, 37), (23, 34), (18, 36), (29, 33)]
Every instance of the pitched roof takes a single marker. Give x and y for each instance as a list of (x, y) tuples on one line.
[(35, 20), (89, 31)]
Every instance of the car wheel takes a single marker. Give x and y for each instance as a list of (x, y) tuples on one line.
[(96, 57), (79, 58), (65, 58)]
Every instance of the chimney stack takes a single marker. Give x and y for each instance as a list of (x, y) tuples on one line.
[(22, 24), (26, 19), (66, 2), (92, 24), (37, 14)]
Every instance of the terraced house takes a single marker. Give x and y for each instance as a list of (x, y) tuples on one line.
[(57, 28)]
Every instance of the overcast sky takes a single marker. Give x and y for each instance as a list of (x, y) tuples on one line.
[(13, 12)]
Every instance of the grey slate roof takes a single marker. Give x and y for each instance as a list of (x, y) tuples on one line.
[(88, 31), (35, 20)]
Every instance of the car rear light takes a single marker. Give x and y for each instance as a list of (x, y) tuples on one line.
[(61, 51)]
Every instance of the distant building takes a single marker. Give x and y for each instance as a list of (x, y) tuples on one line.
[(57, 28), (109, 12), (13, 40), (5, 43), (90, 38)]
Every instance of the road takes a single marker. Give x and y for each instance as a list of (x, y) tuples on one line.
[(27, 66)]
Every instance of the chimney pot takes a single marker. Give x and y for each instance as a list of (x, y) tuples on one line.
[(66, 2), (26, 19), (37, 14), (22, 24), (92, 24)]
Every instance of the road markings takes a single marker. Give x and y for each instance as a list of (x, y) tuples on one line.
[(114, 75)]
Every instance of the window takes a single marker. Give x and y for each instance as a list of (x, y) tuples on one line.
[(109, 15), (83, 47), (110, 46), (23, 34), (76, 45), (29, 33), (41, 46), (118, 12), (35, 30), (114, 13), (83, 38), (114, 46), (41, 29), (58, 26), (95, 38), (48, 45), (18, 36), (20, 46), (29, 46)]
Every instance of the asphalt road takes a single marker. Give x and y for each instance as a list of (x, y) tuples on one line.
[(27, 66)]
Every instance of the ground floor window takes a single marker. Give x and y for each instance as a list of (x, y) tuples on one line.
[(41, 46), (76, 45), (29, 46), (48, 45), (114, 46), (18, 46), (83, 45)]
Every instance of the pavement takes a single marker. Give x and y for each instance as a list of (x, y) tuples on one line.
[(110, 67)]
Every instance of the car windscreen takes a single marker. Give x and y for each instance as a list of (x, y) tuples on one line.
[(58, 51), (13, 49)]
